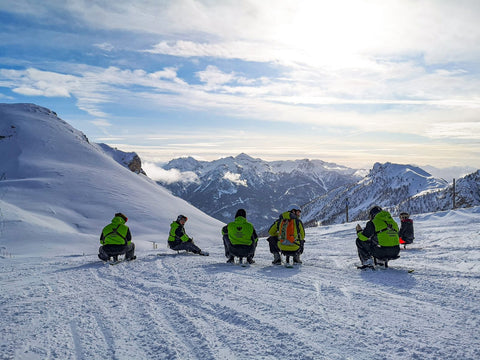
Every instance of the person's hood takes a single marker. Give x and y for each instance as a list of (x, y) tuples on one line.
[(118, 220)]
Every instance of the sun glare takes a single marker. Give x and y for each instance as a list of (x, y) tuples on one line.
[(331, 33)]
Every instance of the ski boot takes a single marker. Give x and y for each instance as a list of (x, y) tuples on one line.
[(296, 259), (277, 259)]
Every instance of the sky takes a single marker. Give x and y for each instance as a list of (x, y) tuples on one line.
[(351, 82)]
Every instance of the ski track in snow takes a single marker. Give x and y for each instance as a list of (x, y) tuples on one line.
[(192, 307)]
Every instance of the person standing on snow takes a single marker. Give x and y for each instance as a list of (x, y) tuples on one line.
[(379, 239), (179, 240), (287, 236), (116, 239), (406, 233), (240, 238)]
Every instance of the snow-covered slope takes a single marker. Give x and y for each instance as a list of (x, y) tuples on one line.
[(182, 307), (58, 190)]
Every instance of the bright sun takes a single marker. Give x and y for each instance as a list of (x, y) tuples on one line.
[(333, 32)]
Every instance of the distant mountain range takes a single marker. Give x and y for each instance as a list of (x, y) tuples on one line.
[(263, 188), (397, 188), (322, 189)]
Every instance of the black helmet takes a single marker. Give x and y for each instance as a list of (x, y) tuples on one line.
[(374, 211)]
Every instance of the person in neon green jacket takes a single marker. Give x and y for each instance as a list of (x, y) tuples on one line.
[(116, 239), (240, 238), (179, 240), (379, 239), (280, 231)]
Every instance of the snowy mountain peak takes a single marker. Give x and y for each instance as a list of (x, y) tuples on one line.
[(244, 157), (396, 176), (391, 170), (131, 160)]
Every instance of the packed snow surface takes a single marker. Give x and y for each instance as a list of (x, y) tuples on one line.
[(191, 307)]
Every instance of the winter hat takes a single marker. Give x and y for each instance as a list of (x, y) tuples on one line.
[(374, 211), (122, 216), (241, 212), (181, 217)]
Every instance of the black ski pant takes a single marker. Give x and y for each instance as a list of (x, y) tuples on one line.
[(109, 250), (368, 249), (247, 251), (185, 245)]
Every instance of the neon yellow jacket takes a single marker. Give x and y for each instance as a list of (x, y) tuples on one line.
[(177, 234), (240, 232), (382, 230), (299, 231), (116, 233)]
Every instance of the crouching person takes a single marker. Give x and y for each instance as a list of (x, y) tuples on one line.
[(116, 239), (240, 238), (179, 240), (287, 237), (378, 240)]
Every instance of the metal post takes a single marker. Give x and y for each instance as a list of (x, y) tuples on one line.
[(346, 204), (453, 195)]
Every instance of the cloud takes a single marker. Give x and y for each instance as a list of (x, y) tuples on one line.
[(252, 50), (213, 77), (168, 176), (105, 46), (235, 178), (101, 123)]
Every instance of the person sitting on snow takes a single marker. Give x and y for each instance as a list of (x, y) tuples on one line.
[(179, 240), (240, 238), (116, 239), (406, 234), (379, 239), (287, 236)]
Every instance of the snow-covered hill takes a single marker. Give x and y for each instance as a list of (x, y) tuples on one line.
[(58, 190), (264, 188)]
